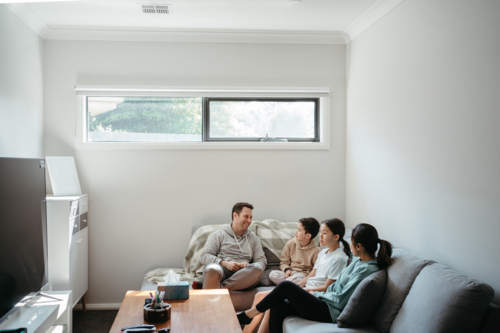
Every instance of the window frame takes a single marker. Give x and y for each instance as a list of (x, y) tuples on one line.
[(206, 118), (321, 93)]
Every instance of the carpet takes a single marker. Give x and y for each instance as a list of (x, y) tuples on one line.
[(94, 321)]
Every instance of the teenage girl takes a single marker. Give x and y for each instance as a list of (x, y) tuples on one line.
[(288, 299), (331, 261)]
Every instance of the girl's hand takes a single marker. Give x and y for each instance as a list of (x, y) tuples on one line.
[(288, 273)]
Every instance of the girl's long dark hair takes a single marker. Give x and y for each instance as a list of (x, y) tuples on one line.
[(367, 235), (338, 228)]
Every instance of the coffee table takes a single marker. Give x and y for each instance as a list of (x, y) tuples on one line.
[(206, 310)]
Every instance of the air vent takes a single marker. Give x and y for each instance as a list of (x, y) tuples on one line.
[(163, 9), (148, 9), (156, 9)]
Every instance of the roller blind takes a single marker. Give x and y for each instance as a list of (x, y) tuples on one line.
[(89, 90)]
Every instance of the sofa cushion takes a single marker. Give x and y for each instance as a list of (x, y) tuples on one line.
[(273, 263), (265, 281), (400, 276), (300, 325), (272, 259), (364, 301), (441, 300), (491, 320)]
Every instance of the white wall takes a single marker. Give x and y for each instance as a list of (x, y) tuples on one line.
[(21, 88), (144, 203), (423, 145)]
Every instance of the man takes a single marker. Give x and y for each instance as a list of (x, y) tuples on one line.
[(233, 255)]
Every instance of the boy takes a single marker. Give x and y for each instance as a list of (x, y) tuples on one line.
[(299, 254)]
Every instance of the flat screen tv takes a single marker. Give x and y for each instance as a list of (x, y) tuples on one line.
[(23, 232)]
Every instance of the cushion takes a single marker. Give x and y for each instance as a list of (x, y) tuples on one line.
[(491, 320), (265, 281), (364, 301), (272, 259), (273, 263), (441, 300), (400, 276), (301, 325)]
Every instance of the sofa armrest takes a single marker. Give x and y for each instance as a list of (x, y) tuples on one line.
[(491, 320)]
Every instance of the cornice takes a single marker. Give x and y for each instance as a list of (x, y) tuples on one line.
[(219, 36), (372, 15), (29, 17)]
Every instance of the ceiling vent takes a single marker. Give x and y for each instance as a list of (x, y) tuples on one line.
[(156, 9)]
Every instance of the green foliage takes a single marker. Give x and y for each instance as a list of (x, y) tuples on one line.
[(227, 118), (152, 115)]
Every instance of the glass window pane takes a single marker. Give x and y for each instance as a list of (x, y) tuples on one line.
[(144, 119), (256, 119)]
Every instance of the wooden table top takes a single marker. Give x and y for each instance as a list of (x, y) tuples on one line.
[(206, 310)]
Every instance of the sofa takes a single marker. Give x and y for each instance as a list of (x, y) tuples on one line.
[(417, 295)]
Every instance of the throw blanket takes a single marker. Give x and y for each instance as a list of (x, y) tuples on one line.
[(273, 235)]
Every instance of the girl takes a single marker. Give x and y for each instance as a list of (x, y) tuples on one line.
[(331, 261), (288, 299)]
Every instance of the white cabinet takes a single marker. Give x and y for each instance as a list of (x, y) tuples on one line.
[(68, 243), (43, 315)]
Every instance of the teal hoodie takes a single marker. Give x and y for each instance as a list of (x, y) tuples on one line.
[(338, 293)]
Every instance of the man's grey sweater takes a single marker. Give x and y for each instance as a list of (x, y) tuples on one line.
[(224, 244)]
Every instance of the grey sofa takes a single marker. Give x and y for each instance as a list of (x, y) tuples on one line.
[(420, 296)]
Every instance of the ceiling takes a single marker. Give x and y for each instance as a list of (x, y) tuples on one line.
[(319, 21)]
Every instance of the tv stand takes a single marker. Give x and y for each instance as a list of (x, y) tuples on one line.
[(41, 313), (48, 296)]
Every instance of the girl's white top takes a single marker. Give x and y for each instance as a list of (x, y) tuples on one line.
[(328, 266)]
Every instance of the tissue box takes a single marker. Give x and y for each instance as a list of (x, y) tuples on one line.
[(175, 291)]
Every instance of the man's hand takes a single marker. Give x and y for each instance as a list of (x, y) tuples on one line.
[(231, 265), (244, 264), (288, 273)]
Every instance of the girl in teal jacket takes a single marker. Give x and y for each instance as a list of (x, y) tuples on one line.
[(288, 299)]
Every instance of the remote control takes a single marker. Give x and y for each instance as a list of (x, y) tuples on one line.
[(141, 326)]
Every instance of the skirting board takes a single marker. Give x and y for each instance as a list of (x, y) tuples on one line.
[(99, 306)]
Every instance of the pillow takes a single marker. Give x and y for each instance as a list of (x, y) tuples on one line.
[(443, 301), (272, 259), (273, 263), (265, 281), (364, 301)]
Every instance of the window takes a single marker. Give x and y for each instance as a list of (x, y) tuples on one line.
[(144, 119), (195, 119), (155, 117), (256, 119)]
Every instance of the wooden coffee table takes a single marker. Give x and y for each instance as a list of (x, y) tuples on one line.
[(209, 310)]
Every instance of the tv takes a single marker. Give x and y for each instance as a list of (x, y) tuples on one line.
[(23, 232)]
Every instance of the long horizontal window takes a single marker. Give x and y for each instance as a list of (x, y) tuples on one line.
[(195, 119)]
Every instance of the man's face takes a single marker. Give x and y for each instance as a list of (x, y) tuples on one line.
[(243, 220)]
